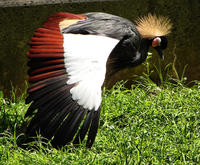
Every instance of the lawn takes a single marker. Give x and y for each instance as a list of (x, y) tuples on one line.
[(146, 124)]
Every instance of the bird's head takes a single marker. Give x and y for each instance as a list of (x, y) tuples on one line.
[(155, 29), (159, 43)]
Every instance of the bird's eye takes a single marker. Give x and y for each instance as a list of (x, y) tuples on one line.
[(156, 42)]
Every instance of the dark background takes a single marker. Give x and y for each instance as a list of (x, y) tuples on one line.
[(18, 23)]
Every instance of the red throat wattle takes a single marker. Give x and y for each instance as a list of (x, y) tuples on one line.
[(156, 42)]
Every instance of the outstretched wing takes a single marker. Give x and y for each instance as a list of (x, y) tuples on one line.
[(66, 74)]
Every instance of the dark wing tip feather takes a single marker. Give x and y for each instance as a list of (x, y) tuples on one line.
[(83, 130), (93, 128), (69, 129)]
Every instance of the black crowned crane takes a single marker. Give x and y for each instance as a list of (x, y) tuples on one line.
[(69, 59)]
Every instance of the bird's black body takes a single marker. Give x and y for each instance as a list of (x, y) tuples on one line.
[(59, 112)]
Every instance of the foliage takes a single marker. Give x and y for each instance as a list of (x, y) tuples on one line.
[(137, 126)]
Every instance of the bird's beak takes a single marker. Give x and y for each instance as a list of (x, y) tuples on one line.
[(159, 50)]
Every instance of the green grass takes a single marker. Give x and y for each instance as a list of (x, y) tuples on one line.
[(144, 125)]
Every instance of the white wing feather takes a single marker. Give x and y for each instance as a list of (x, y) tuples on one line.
[(85, 62)]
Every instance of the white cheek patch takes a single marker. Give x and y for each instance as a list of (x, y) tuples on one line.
[(85, 62)]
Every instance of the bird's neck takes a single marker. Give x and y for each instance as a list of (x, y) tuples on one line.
[(127, 54), (142, 52)]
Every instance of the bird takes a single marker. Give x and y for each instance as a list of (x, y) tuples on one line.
[(70, 56)]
